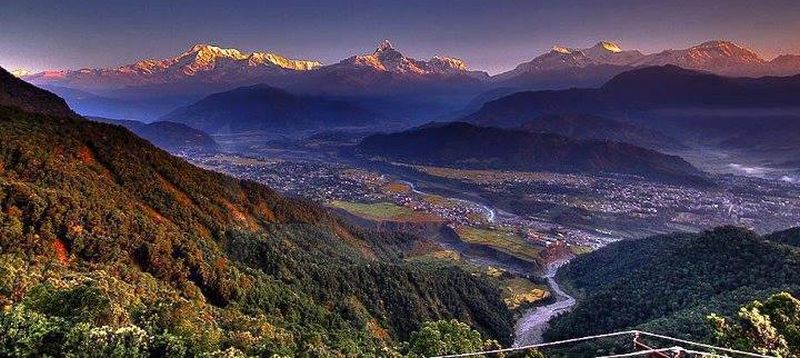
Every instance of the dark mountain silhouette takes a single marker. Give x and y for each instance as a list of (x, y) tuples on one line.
[(15, 92), (464, 145), (170, 136), (788, 237), (143, 109), (590, 76), (580, 126), (646, 89), (265, 108)]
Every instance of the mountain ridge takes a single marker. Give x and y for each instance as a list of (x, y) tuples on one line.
[(201, 62), (263, 107), (387, 71), (717, 56), (15, 92), (643, 89), (465, 145), (170, 136), (580, 126)]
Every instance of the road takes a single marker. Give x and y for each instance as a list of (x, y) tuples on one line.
[(531, 326)]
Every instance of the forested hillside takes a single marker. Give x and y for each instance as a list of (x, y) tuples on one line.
[(671, 283), (111, 243), (788, 237)]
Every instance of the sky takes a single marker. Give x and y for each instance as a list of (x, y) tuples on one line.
[(489, 35)]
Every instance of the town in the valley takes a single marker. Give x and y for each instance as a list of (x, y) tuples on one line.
[(540, 209)]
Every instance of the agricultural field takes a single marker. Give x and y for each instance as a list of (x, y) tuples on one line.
[(396, 188), (521, 292), (580, 250), (504, 240), (383, 211)]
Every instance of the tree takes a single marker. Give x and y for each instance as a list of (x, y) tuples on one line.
[(771, 327), (444, 337)]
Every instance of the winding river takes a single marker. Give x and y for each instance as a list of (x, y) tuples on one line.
[(531, 326)]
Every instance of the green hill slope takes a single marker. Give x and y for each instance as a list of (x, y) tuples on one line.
[(670, 283), (104, 235)]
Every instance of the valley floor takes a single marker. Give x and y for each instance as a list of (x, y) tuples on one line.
[(523, 223)]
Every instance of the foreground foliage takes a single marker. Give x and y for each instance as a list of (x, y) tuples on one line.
[(446, 337), (771, 327)]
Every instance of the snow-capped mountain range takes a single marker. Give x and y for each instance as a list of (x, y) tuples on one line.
[(209, 63), (604, 52), (387, 58), (720, 57), (387, 71), (201, 63)]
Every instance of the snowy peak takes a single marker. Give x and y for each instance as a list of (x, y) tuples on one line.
[(726, 49), (608, 46), (561, 49), (201, 62), (447, 64), (211, 52), (601, 47), (385, 45), (263, 58), (562, 57), (784, 65), (205, 56), (717, 56), (611, 53), (387, 59)]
